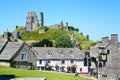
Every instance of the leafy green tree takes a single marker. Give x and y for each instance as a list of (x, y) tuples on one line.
[(44, 42), (87, 37), (76, 29), (19, 28), (64, 41), (81, 33), (71, 28), (46, 28)]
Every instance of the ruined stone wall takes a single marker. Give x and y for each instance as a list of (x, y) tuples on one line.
[(31, 21)]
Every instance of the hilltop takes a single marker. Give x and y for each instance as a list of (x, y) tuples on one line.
[(52, 34), (56, 35)]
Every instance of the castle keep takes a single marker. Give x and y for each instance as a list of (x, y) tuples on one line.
[(32, 21)]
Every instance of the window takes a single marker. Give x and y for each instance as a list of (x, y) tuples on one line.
[(61, 52), (71, 52), (108, 51), (85, 61), (72, 61), (40, 61), (105, 76), (24, 56), (80, 69), (48, 61), (63, 62), (49, 53)]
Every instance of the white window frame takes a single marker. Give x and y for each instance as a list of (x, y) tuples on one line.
[(24, 56)]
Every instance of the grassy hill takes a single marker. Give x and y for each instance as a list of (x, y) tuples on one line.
[(19, 73), (51, 34)]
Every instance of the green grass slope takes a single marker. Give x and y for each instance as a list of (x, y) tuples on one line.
[(19, 73), (51, 34)]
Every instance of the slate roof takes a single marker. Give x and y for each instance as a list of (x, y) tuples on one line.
[(58, 53), (94, 51), (2, 42), (10, 49)]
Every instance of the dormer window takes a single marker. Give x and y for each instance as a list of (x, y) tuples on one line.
[(61, 52), (71, 52), (49, 53)]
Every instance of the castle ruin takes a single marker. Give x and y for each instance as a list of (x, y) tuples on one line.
[(32, 21)]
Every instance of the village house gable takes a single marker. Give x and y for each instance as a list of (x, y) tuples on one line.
[(13, 54), (108, 57), (26, 59)]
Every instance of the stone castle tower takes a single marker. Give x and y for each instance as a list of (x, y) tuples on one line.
[(32, 21), (41, 19), (66, 26)]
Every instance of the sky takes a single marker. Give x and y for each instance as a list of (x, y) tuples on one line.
[(96, 18)]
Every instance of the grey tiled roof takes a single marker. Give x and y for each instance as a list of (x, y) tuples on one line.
[(94, 51), (2, 42), (102, 45), (58, 53), (10, 49)]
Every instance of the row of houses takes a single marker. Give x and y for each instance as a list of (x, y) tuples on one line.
[(104, 57), (20, 55)]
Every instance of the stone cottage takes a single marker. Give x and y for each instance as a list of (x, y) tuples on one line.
[(107, 56), (16, 54)]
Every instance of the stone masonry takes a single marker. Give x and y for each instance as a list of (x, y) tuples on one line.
[(110, 67), (32, 21)]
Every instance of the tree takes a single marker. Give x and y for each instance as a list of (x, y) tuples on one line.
[(87, 37), (44, 42), (46, 28), (76, 29), (19, 28), (81, 33), (71, 28), (64, 41)]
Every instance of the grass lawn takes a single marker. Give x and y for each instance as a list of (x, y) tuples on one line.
[(19, 73)]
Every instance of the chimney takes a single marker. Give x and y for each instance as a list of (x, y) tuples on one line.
[(6, 34), (114, 38), (105, 39)]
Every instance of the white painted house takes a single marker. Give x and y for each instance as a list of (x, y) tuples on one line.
[(60, 59)]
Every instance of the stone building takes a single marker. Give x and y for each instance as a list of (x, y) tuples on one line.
[(16, 54), (60, 26), (107, 56), (14, 36), (32, 21), (66, 26), (49, 57)]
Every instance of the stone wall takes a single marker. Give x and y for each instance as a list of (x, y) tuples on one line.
[(30, 61), (112, 67)]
